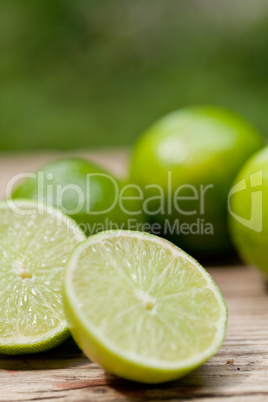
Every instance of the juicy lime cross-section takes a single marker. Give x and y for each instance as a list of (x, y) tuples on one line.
[(141, 307), (35, 243)]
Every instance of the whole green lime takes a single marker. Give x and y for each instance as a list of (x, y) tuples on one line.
[(249, 211), (84, 191), (185, 164)]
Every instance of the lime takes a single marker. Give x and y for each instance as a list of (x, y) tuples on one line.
[(185, 164), (35, 243), (249, 211), (141, 307), (82, 190)]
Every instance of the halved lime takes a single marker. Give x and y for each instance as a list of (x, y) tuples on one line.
[(141, 307), (35, 244)]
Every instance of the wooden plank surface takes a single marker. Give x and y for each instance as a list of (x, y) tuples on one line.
[(239, 372)]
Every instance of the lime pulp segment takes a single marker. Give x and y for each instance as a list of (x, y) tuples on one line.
[(136, 300), (34, 248)]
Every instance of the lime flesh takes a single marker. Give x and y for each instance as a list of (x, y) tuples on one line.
[(34, 248), (141, 307)]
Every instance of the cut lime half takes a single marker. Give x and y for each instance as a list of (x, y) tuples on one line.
[(35, 244), (141, 307)]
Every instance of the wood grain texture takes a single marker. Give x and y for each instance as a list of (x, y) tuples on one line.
[(238, 373)]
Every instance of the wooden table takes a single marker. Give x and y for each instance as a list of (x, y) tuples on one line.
[(239, 372)]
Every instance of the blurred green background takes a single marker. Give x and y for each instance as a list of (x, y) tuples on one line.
[(81, 74)]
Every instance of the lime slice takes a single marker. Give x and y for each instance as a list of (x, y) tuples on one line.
[(141, 307), (35, 243)]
